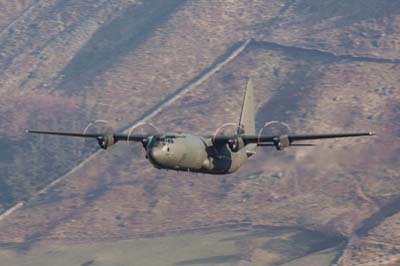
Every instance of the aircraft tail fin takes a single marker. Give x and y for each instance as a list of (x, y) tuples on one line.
[(247, 116)]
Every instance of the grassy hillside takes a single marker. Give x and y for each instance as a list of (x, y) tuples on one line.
[(230, 247)]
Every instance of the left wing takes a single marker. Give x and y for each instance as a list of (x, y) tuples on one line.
[(283, 141), (302, 137)]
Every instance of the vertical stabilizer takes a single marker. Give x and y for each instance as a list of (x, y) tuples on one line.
[(247, 117)]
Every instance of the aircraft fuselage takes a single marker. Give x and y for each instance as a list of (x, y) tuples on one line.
[(191, 153)]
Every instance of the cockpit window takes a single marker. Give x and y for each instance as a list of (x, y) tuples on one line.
[(162, 141), (169, 141), (156, 142)]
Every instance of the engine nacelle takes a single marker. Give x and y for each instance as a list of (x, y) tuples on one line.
[(106, 141), (236, 144), (281, 142)]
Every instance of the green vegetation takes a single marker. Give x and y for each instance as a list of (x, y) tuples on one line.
[(219, 248), (179, 250)]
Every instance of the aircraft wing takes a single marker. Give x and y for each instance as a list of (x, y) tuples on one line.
[(295, 137), (283, 141), (116, 137), (302, 137)]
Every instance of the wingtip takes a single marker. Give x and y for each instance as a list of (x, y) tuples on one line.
[(27, 131), (372, 133)]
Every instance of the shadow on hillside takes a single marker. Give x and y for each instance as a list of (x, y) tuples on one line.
[(350, 11), (378, 217), (114, 40)]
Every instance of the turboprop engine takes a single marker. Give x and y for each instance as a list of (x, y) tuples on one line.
[(106, 141), (281, 142), (278, 129), (106, 131), (236, 144), (229, 129)]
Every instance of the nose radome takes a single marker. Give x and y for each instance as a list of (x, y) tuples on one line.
[(156, 154)]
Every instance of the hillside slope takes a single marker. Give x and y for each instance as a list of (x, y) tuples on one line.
[(66, 63)]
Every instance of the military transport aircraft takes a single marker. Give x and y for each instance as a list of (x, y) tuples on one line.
[(212, 154)]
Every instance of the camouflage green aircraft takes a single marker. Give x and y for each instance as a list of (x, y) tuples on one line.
[(211, 154)]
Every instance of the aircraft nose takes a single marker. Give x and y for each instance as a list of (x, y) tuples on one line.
[(155, 154)]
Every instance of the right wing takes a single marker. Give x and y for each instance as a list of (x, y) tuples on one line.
[(104, 140), (116, 137)]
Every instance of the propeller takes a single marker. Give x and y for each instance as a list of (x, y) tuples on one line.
[(281, 130), (141, 129), (227, 129), (103, 128), (278, 129), (274, 128)]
